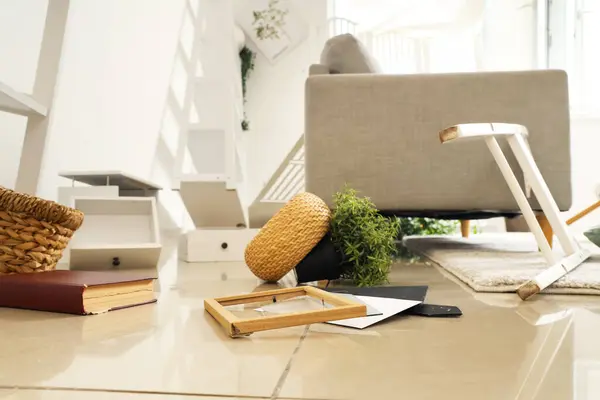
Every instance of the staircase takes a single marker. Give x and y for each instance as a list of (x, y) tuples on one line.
[(287, 181)]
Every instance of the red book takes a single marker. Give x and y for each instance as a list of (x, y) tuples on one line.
[(76, 292)]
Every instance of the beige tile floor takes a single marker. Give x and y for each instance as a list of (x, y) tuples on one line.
[(501, 348)]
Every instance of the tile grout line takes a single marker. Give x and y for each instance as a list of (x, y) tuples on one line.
[(288, 367), (17, 388), (125, 391)]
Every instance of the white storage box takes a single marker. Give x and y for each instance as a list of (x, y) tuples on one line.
[(119, 232), (66, 194), (215, 245)]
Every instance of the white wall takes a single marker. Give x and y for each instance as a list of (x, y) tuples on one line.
[(585, 145), (508, 34), (110, 99), (275, 106), (111, 93), (21, 27)]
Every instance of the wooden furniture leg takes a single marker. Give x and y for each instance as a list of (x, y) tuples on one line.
[(546, 228), (583, 213), (465, 227)]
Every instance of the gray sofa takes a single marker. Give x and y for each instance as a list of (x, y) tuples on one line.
[(379, 134)]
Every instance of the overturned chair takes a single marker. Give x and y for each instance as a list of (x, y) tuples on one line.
[(516, 136)]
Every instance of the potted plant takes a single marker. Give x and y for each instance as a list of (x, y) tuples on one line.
[(360, 246), (324, 262)]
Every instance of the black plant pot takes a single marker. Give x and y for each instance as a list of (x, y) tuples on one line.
[(323, 262)]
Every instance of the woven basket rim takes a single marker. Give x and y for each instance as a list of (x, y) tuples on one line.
[(40, 209)]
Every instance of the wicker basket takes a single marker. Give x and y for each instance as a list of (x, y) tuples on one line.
[(33, 232), (288, 237)]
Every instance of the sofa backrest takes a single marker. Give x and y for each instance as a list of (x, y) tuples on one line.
[(379, 134)]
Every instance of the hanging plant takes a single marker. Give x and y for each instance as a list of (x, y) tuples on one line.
[(247, 58), (268, 23), (245, 124)]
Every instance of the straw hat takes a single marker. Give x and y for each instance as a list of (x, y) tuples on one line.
[(288, 237)]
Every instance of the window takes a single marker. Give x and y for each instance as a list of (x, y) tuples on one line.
[(408, 36), (573, 38)]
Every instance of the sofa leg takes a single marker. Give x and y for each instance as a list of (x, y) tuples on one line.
[(465, 227), (546, 228)]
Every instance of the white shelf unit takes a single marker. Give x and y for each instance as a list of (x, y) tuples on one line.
[(210, 158), (125, 183), (66, 194), (117, 233), (218, 101), (104, 184), (209, 202), (206, 148), (212, 138), (20, 103)]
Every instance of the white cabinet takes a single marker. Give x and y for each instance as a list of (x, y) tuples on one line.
[(120, 232), (215, 245)]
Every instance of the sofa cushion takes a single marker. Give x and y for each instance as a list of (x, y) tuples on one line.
[(345, 54)]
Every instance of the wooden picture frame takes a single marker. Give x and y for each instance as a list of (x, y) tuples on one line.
[(234, 326)]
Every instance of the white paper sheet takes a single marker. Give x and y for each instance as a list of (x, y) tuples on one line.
[(388, 308)]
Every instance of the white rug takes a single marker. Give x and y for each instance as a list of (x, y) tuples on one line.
[(502, 262)]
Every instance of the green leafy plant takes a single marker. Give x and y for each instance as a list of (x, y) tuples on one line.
[(417, 226), (426, 226), (268, 23), (364, 237), (247, 58)]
